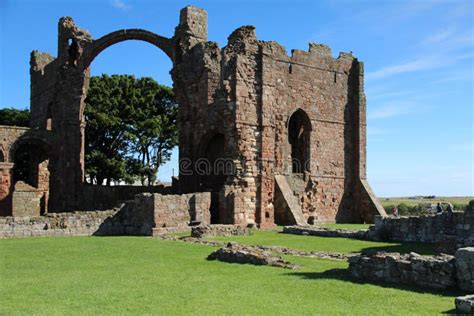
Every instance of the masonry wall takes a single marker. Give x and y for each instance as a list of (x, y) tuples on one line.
[(100, 197), (429, 228), (146, 215), (60, 224), (245, 92), (178, 211)]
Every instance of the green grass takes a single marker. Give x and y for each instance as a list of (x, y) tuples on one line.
[(139, 275), (411, 202), (347, 226), (313, 243)]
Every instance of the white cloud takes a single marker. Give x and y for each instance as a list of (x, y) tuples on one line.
[(438, 37), (120, 4), (391, 110), (423, 63), (374, 131)]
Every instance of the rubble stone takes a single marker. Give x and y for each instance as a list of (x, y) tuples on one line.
[(465, 304), (235, 253), (202, 231), (465, 268), (437, 272)]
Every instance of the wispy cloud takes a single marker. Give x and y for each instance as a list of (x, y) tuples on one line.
[(120, 4), (391, 110), (420, 64), (442, 49), (438, 37), (423, 63), (375, 131)]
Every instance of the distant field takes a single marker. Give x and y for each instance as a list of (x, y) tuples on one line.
[(415, 201)]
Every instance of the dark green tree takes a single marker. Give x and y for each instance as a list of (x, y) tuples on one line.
[(130, 128), (15, 117)]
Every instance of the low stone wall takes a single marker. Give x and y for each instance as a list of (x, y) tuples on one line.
[(437, 272), (465, 268), (59, 224), (329, 232), (439, 228), (465, 304), (26, 200), (100, 197), (219, 230), (147, 214)]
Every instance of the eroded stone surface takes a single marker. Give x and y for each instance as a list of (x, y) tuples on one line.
[(302, 117), (465, 304), (235, 253), (465, 268), (451, 231), (202, 231), (438, 272), (329, 232)]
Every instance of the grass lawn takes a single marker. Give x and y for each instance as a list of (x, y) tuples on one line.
[(347, 226), (140, 275), (411, 202), (313, 243)]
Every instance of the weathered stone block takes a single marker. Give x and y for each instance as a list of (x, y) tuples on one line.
[(465, 304), (465, 268)]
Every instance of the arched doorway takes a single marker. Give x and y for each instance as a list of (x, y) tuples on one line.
[(299, 129), (213, 167), (31, 176)]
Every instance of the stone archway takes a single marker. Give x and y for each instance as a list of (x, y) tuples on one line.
[(71, 73)]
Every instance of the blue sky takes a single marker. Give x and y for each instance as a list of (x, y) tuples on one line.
[(418, 59)]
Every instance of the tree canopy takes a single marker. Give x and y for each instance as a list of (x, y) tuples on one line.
[(15, 117), (130, 128)]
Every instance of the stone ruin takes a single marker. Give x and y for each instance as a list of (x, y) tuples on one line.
[(437, 272), (235, 253), (283, 137)]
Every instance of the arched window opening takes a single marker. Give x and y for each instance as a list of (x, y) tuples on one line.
[(73, 51), (2, 156), (299, 128), (49, 118)]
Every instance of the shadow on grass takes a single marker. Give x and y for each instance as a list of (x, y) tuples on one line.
[(406, 247), (453, 312), (344, 275), (419, 248)]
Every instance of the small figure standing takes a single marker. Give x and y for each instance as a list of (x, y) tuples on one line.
[(450, 208), (395, 211), (439, 209)]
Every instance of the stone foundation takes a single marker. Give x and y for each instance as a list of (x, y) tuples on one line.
[(148, 214), (456, 228), (235, 253), (329, 232), (465, 304), (465, 268), (203, 231), (59, 224), (436, 272)]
